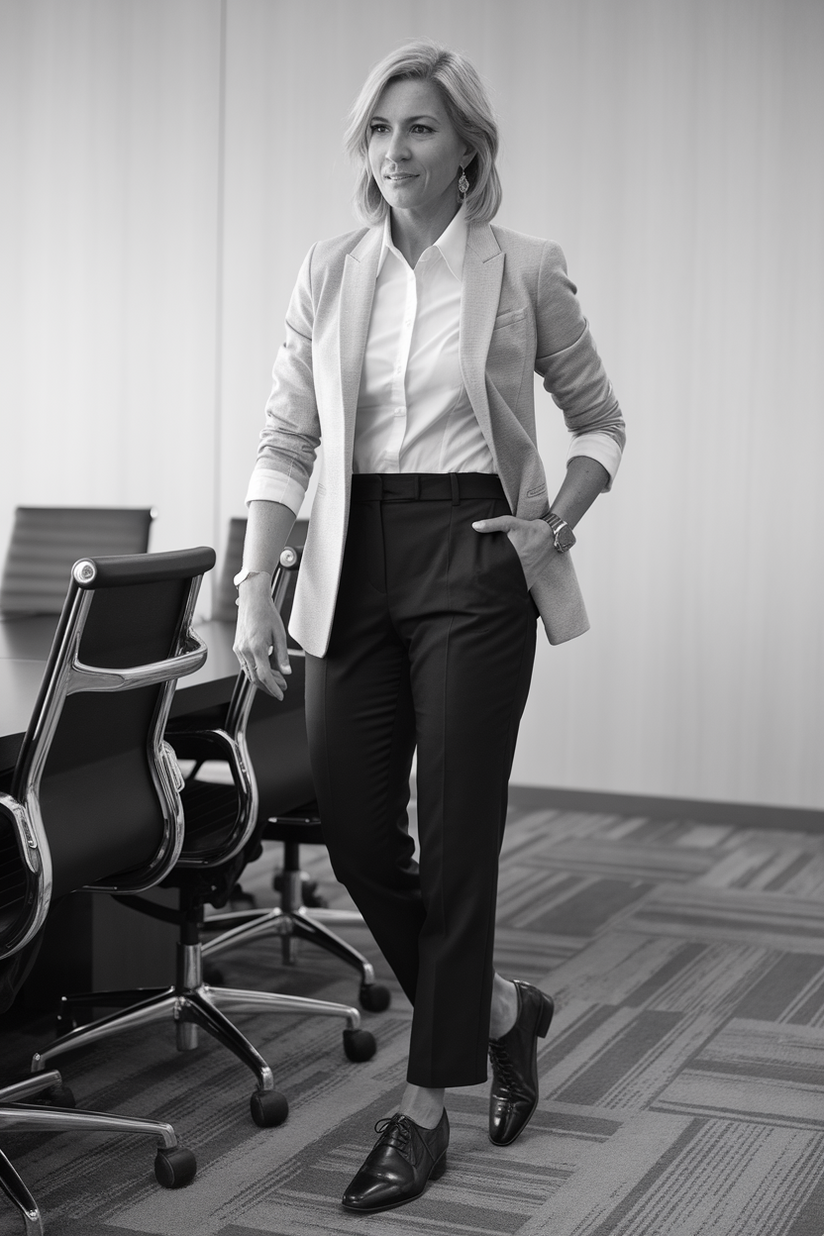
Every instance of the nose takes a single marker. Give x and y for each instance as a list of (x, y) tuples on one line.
[(398, 149)]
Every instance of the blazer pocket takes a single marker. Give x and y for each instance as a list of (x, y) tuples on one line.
[(508, 317)]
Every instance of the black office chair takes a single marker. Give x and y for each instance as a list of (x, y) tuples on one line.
[(287, 811), (220, 837), (93, 801), (47, 540), (224, 593)]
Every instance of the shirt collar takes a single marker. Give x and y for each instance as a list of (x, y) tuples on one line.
[(451, 244)]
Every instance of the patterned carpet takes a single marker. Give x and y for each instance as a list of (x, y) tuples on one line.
[(682, 1081)]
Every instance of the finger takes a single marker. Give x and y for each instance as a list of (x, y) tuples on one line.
[(256, 668), (501, 523), (274, 685), (268, 680), (280, 651)]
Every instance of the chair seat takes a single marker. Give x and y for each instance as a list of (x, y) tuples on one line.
[(301, 826), (211, 813)]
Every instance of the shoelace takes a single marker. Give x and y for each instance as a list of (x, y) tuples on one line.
[(394, 1131), (502, 1065)]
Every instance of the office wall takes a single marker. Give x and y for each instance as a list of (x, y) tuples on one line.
[(108, 220), (174, 160)]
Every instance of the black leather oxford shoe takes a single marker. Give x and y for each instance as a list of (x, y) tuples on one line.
[(514, 1057), (404, 1158)]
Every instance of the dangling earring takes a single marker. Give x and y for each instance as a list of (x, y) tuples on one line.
[(463, 184)]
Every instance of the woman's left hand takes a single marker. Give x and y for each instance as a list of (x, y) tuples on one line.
[(532, 540)]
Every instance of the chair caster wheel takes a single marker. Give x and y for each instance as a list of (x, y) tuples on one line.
[(374, 997), (359, 1045), (268, 1108), (175, 1168)]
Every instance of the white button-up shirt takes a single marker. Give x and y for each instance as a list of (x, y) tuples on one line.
[(413, 414), (413, 411)]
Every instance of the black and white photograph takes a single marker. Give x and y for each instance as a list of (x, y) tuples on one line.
[(411, 618)]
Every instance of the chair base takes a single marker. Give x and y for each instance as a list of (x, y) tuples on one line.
[(293, 921), (192, 1003), (174, 1165)]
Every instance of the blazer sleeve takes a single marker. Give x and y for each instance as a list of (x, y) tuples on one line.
[(291, 433), (571, 369)]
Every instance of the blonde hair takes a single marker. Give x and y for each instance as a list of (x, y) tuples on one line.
[(469, 111)]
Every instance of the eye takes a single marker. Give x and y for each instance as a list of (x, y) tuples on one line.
[(378, 127), (422, 128)]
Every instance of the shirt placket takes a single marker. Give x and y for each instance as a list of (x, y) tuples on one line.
[(406, 326)]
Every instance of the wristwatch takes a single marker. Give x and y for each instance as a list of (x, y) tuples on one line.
[(562, 534)]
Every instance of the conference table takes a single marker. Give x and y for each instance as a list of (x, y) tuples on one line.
[(96, 943), (24, 650)]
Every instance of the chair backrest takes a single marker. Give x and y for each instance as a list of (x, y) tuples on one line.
[(225, 594), (94, 801), (223, 589), (221, 817), (263, 742), (275, 730), (47, 540), (279, 750)]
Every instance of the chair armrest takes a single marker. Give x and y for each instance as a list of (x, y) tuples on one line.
[(93, 678)]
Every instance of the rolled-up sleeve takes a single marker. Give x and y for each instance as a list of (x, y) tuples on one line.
[(291, 434), (266, 485), (571, 369)]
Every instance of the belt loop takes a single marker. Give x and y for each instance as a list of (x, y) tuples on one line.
[(456, 491), (380, 487), (417, 486)]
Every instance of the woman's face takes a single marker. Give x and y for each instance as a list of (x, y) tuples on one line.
[(414, 151)]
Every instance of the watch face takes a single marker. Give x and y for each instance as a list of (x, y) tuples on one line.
[(565, 539)]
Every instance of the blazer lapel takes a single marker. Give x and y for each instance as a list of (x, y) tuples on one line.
[(356, 296), (483, 273)]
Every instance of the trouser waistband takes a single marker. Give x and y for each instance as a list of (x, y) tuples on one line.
[(425, 486)]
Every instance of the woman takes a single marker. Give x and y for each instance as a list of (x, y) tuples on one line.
[(410, 348)]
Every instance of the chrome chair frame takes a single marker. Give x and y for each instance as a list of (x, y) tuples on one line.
[(191, 1002), (70, 675)]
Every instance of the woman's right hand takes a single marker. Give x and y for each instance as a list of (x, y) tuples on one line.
[(260, 635)]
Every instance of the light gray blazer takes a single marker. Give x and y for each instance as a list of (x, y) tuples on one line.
[(519, 314)]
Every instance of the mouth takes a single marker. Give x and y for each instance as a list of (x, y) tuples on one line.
[(398, 177)]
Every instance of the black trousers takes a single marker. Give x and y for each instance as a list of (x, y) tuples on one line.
[(432, 647)]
